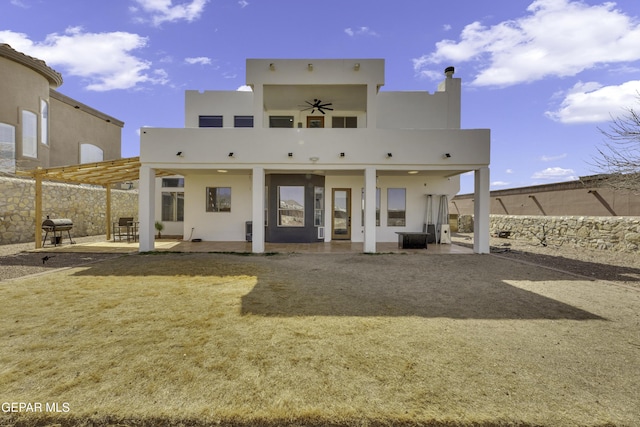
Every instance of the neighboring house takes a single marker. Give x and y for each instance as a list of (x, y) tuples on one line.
[(315, 152), (40, 127), (588, 196)]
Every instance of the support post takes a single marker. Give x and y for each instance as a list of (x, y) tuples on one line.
[(257, 216), (481, 211), (146, 208), (369, 210), (108, 210), (38, 219)]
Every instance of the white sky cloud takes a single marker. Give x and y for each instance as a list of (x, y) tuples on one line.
[(245, 88), (162, 11), (592, 103), (360, 31), (555, 174), (104, 60), (499, 184), (546, 158), (555, 38), (243, 3), (200, 60)]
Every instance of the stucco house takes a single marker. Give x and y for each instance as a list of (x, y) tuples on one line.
[(41, 127), (315, 152)]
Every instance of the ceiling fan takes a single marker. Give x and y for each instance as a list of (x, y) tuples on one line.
[(318, 105)]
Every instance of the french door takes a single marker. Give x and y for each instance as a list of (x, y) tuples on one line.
[(341, 214)]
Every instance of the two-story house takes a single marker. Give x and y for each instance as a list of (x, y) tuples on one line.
[(315, 152)]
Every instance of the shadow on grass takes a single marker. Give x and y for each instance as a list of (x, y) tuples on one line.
[(440, 286)]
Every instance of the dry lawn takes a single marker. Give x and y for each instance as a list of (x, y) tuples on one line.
[(343, 340)]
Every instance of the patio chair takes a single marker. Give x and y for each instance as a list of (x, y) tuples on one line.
[(124, 227)]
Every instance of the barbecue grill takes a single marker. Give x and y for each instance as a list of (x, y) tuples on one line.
[(57, 227)]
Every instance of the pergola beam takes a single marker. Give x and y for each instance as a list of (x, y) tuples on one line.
[(103, 174)]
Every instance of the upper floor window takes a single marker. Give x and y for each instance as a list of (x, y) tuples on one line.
[(280, 121), (90, 153), (7, 148), (173, 182), (44, 122), (243, 121), (29, 134), (210, 121), (344, 122)]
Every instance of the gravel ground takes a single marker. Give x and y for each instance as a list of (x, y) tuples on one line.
[(17, 261)]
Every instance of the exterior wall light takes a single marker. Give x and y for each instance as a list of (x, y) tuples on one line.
[(446, 155), (341, 154), (356, 67), (290, 154), (310, 67), (272, 67), (389, 155), (231, 154), (179, 154)]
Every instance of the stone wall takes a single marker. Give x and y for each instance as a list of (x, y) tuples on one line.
[(597, 232), (84, 205)]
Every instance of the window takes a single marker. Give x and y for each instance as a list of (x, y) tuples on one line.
[(243, 121), (318, 206), (29, 134), (396, 207), (7, 148), (44, 122), (377, 207), (280, 121), (89, 153), (291, 206), (173, 182), (344, 122), (210, 121), (172, 206), (218, 199)]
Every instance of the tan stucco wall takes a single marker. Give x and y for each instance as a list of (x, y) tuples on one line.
[(22, 89), (581, 200), (24, 83), (71, 126)]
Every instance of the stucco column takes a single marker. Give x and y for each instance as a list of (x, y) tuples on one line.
[(481, 211), (146, 208), (258, 106), (370, 210), (257, 207), (372, 109)]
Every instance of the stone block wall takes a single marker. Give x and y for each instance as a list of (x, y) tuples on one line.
[(84, 205), (615, 233)]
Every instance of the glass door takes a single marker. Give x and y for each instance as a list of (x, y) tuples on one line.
[(341, 214)]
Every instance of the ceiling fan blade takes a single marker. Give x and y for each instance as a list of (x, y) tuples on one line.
[(320, 109)]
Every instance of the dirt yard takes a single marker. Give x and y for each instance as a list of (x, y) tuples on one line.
[(328, 339)]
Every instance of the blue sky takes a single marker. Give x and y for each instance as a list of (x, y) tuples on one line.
[(543, 75)]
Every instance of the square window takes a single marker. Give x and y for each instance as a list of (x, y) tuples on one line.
[(210, 121), (243, 121), (218, 199)]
